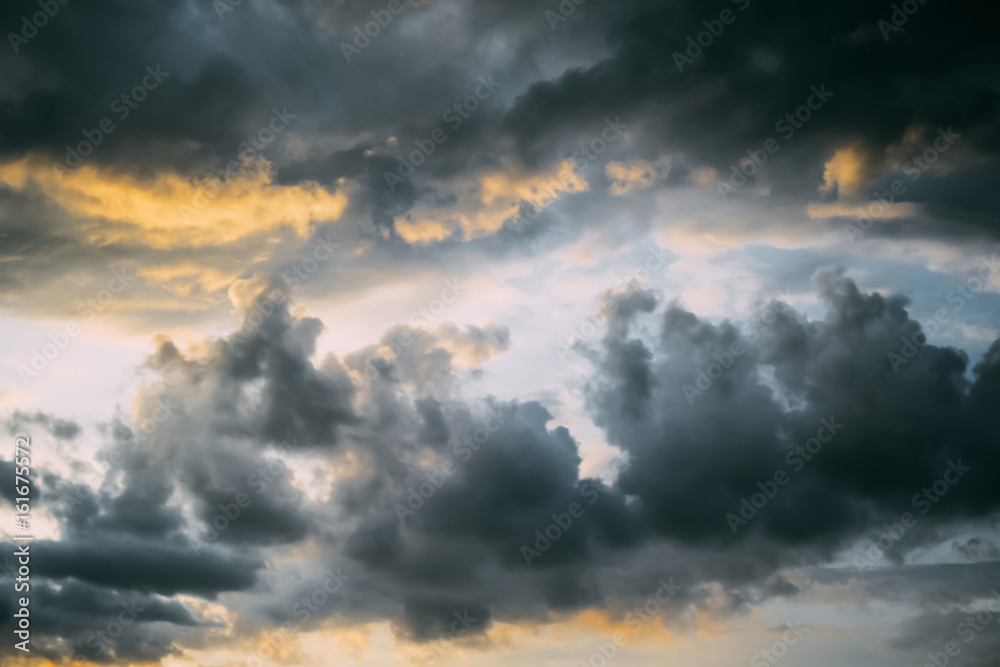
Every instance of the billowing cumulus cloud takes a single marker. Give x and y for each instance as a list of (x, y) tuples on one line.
[(418, 492), (310, 311)]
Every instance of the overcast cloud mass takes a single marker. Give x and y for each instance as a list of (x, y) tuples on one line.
[(427, 332)]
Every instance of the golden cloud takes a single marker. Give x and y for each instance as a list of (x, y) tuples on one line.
[(422, 230), (168, 211), (626, 178), (847, 171), (485, 203), (181, 279), (871, 210), (704, 176)]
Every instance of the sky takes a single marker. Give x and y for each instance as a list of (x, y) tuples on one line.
[(430, 332)]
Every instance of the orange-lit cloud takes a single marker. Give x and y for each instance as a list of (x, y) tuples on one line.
[(485, 203), (594, 621), (704, 176), (869, 210), (167, 210), (423, 230), (694, 236), (847, 171), (635, 175), (181, 279)]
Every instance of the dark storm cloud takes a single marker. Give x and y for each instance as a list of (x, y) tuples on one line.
[(227, 73), (160, 567), (434, 430), (7, 470), (141, 507), (977, 549), (251, 411), (449, 494), (427, 617), (761, 67), (254, 493), (899, 430), (84, 66), (424, 359), (220, 85), (500, 492), (558, 87), (297, 402), (87, 617), (19, 423), (970, 636), (243, 495), (947, 599), (508, 472)]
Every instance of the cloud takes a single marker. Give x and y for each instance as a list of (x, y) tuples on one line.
[(418, 490), (635, 175), (169, 211), (389, 458), (847, 171), (489, 200), (63, 429), (732, 431), (165, 569), (84, 618)]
